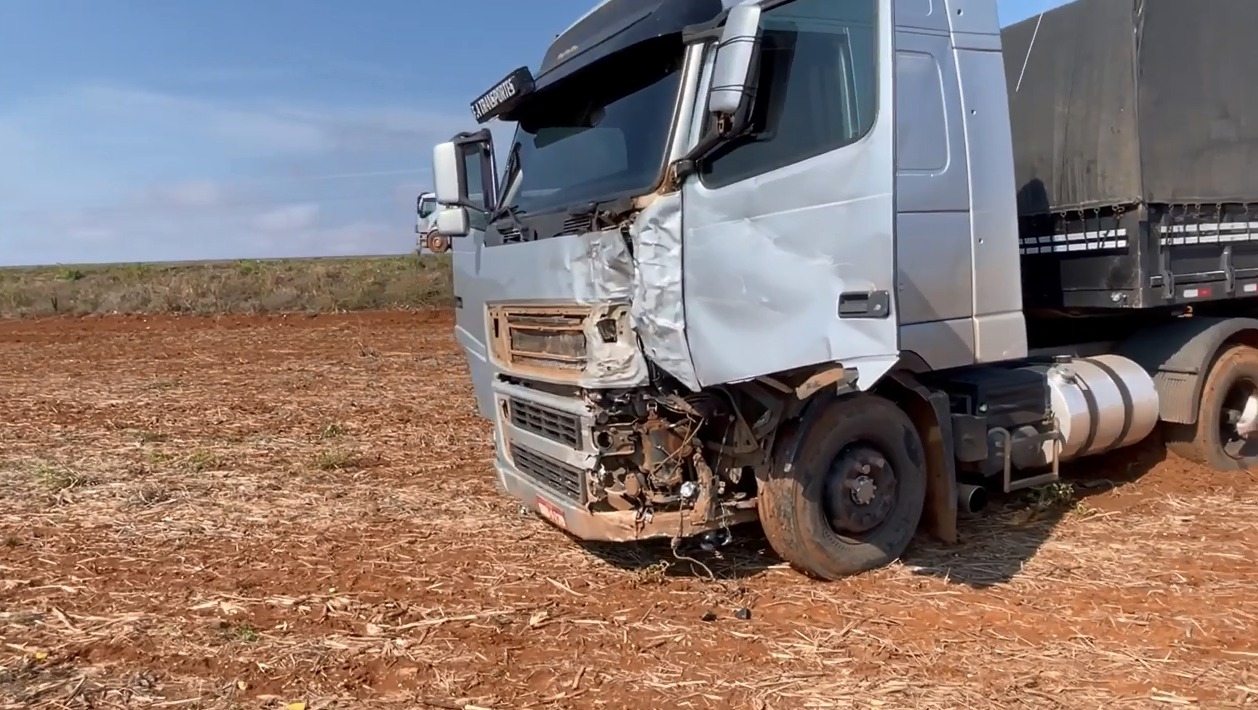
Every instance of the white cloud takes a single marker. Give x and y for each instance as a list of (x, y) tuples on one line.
[(291, 218), (103, 173), (189, 195)]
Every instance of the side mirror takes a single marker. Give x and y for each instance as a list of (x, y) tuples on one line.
[(446, 173), (735, 59), (733, 85), (464, 173), (453, 222)]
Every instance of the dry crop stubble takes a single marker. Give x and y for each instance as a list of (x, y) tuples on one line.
[(251, 511)]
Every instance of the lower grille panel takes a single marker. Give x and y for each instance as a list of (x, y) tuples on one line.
[(555, 475), (548, 423)]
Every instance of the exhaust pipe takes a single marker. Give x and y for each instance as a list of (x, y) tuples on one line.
[(971, 499)]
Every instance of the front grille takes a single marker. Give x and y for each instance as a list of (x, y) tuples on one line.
[(555, 475), (577, 224), (552, 424), (540, 339), (549, 341)]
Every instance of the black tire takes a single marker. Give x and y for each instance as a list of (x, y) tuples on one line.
[(775, 510), (1206, 441), (437, 243), (863, 436)]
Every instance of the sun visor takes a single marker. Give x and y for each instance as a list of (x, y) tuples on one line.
[(609, 28), (616, 25), (504, 97)]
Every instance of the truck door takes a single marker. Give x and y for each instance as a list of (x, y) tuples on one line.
[(790, 232), (471, 285)]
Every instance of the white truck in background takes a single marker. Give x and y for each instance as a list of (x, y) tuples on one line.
[(428, 241), (844, 267)]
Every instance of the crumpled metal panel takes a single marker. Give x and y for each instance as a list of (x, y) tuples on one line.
[(603, 272), (762, 287), (768, 257), (658, 311), (589, 269)]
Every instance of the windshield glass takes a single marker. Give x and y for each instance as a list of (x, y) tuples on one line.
[(597, 135), (427, 205)]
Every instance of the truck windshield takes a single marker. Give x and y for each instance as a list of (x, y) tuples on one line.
[(596, 136), (427, 205)]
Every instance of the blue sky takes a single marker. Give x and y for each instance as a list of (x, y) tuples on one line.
[(181, 129)]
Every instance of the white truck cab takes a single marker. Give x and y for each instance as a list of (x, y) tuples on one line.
[(429, 240)]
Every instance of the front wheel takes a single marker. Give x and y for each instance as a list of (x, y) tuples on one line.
[(849, 495), (437, 242)]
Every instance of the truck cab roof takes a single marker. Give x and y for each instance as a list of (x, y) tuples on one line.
[(614, 25)]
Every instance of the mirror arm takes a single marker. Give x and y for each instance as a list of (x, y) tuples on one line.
[(727, 129), (484, 138), (688, 164), (481, 136)]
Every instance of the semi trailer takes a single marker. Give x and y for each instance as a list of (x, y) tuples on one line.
[(845, 267)]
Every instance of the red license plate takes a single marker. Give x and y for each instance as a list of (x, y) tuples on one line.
[(552, 512)]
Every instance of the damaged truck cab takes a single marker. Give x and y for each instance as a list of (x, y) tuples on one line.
[(761, 261)]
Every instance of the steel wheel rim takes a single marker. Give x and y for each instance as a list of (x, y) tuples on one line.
[(860, 490)]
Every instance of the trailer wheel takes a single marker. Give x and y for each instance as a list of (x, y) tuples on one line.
[(850, 496), (1227, 410)]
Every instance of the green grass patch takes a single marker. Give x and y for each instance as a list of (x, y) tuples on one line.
[(238, 287)]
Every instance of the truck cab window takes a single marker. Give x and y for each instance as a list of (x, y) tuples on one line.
[(475, 178), (817, 88), (427, 207)]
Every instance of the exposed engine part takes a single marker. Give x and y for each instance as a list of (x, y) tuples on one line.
[(651, 451), (705, 504), (1099, 403), (715, 539), (614, 440), (634, 484), (666, 450)]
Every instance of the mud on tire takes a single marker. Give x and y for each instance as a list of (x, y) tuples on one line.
[(436, 242), (1232, 374), (847, 497)]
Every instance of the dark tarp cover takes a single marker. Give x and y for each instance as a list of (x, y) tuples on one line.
[(1134, 101)]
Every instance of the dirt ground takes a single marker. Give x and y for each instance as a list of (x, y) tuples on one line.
[(300, 511)]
